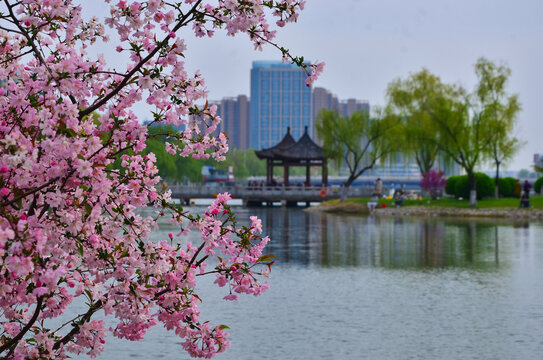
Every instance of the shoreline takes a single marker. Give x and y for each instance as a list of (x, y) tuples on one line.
[(427, 211)]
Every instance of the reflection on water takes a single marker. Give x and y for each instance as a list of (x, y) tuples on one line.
[(349, 287), (330, 240)]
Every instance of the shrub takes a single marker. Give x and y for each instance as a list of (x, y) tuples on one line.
[(537, 185), (506, 186), (451, 184), (484, 186)]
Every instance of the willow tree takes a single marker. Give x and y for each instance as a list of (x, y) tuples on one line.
[(359, 141), (415, 100), (463, 133), (500, 110)]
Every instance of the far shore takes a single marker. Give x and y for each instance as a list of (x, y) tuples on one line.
[(503, 210)]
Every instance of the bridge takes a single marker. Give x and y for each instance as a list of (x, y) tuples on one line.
[(267, 195)]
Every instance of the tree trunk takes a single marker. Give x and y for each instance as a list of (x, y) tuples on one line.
[(497, 182), (472, 190), (346, 185), (343, 193)]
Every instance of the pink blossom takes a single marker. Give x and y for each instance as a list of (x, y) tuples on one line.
[(75, 174)]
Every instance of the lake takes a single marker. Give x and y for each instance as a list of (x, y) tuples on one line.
[(347, 287)]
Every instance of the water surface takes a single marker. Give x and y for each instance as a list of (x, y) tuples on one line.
[(348, 287)]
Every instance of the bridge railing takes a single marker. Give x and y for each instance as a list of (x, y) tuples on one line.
[(311, 193)]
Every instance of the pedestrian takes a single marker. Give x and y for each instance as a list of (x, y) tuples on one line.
[(392, 190), (527, 186), (517, 189), (378, 187), (525, 200)]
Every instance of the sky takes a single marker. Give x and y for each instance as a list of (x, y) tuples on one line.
[(368, 43)]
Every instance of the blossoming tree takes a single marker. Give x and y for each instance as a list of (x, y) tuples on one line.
[(69, 226)]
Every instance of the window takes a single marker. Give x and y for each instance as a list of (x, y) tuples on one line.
[(285, 110), (295, 132), (275, 134), (285, 85), (275, 120), (285, 97)]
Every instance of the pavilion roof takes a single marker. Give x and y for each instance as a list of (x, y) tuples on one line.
[(270, 153), (288, 149)]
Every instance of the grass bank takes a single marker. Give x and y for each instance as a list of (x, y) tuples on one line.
[(489, 208), (536, 202)]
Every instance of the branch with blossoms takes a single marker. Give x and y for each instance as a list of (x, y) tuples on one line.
[(261, 34), (73, 176)]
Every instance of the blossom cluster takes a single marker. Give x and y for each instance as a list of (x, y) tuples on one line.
[(73, 175)]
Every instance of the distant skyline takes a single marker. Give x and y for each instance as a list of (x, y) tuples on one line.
[(368, 43)]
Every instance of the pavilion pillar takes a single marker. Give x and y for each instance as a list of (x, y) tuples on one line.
[(308, 174), (269, 171), (285, 174)]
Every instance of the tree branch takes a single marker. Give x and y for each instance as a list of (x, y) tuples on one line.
[(136, 68), (27, 327)]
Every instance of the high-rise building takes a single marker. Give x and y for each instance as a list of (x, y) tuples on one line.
[(279, 99), (349, 106), (234, 112), (323, 99)]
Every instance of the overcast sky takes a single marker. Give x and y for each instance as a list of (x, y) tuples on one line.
[(368, 43)]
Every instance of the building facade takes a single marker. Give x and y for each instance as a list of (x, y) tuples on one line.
[(279, 99), (349, 106), (324, 99), (235, 115)]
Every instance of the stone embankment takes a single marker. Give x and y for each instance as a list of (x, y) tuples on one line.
[(361, 209)]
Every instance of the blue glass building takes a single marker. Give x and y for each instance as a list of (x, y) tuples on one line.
[(279, 99)]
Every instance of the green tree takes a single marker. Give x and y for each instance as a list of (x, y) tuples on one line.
[(499, 110), (167, 169), (244, 162), (359, 140), (463, 133), (170, 167), (414, 100)]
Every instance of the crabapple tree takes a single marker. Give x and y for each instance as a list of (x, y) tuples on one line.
[(70, 229)]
